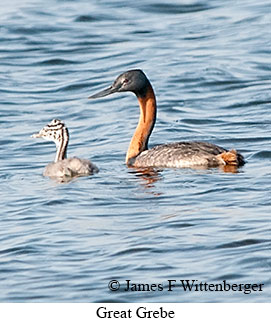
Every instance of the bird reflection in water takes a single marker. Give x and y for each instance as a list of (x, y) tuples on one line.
[(149, 176)]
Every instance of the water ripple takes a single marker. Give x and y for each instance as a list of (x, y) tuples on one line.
[(174, 9), (242, 243)]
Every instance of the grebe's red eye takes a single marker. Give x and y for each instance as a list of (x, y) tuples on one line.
[(125, 81)]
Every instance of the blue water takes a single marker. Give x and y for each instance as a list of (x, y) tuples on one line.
[(209, 63)]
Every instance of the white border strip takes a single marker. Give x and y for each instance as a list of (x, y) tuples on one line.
[(136, 312)]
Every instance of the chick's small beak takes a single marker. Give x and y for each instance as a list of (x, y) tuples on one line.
[(36, 135)]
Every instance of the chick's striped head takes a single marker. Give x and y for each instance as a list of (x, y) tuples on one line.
[(54, 131)]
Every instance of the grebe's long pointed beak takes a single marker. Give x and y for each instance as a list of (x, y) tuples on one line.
[(108, 91)]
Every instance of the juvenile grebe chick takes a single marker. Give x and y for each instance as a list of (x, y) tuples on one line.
[(179, 154), (62, 166)]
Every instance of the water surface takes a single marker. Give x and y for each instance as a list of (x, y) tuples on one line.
[(209, 63)]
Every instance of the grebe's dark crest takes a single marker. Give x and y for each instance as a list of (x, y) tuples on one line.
[(62, 166), (180, 154)]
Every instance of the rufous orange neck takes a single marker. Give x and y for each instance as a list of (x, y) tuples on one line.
[(145, 125)]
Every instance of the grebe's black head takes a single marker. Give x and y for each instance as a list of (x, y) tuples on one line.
[(133, 81)]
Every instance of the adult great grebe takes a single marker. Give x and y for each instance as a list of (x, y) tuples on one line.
[(62, 166), (179, 154)]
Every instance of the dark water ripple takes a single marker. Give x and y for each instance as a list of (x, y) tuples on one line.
[(173, 9), (209, 63)]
